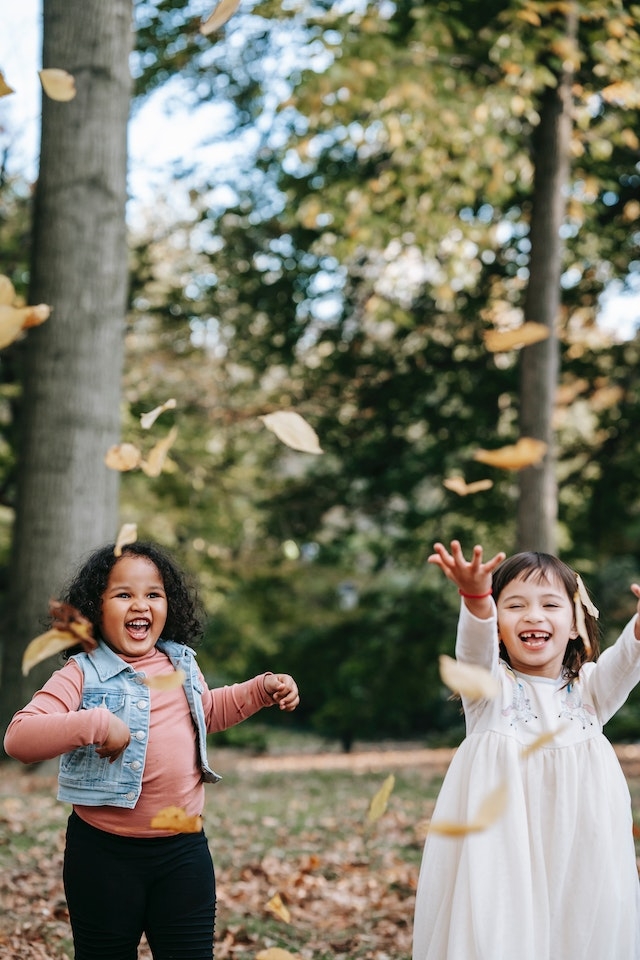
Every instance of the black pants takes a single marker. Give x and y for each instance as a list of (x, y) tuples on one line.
[(118, 888)]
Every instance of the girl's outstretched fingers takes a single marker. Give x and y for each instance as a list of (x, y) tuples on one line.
[(283, 690)]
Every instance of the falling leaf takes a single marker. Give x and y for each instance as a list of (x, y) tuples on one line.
[(380, 800), (5, 89), (58, 84), (176, 819), (166, 681), (581, 622), (460, 486), (69, 629), (15, 319), (153, 464), (128, 533), (539, 742), (223, 12), (123, 456), (276, 953), (469, 680), (148, 419), (525, 453), (491, 808), (293, 430), (587, 602), (278, 908), (7, 291), (499, 341)]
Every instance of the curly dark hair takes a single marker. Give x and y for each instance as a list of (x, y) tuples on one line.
[(185, 613), (543, 567)]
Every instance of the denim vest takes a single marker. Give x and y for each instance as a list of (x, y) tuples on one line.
[(87, 779)]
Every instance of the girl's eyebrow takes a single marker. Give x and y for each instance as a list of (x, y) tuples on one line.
[(125, 586), (544, 596)]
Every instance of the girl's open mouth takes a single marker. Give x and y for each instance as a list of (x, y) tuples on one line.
[(534, 640), (138, 629)]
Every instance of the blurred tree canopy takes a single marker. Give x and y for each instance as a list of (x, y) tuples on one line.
[(368, 221)]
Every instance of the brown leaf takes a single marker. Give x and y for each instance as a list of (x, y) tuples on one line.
[(499, 341), (525, 453), (128, 533), (58, 84), (380, 799), (462, 488), (7, 291), (66, 617), (15, 319), (222, 13), (176, 819), (166, 681), (276, 953)]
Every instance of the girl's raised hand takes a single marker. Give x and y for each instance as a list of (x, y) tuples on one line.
[(283, 690), (471, 577)]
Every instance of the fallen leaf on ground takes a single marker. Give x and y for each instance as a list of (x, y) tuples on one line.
[(276, 953), (278, 908)]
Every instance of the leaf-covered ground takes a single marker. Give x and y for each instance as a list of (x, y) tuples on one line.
[(298, 865)]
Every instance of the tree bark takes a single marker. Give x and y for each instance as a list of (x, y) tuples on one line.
[(67, 499), (538, 496)]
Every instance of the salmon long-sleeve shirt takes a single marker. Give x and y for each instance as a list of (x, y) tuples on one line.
[(52, 724)]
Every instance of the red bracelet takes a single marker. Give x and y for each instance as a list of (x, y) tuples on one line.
[(475, 596)]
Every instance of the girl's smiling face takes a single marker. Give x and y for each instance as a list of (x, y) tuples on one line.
[(535, 623), (134, 606)]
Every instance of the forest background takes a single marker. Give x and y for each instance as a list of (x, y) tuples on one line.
[(380, 186)]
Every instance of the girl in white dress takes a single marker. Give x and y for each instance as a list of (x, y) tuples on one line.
[(554, 876)]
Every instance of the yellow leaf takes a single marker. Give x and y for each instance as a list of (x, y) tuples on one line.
[(7, 291), (154, 463), (525, 453), (498, 341), (469, 680), (123, 456), (539, 742), (587, 602), (380, 799), (176, 819), (69, 629), (128, 533), (223, 12), (491, 808), (276, 953), (166, 681), (45, 645), (5, 89), (460, 486), (15, 319), (293, 430), (148, 419), (58, 84), (278, 908)]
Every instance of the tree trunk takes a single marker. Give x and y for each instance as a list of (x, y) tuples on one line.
[(537, 504), (67, 499)]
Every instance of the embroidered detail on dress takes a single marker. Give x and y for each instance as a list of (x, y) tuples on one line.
[(519, 711), (574, 708)]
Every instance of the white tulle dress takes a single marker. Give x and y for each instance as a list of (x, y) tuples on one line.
[(555, 876)]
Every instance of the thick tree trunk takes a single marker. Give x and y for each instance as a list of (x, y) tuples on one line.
[(537, 504), (67, 501)]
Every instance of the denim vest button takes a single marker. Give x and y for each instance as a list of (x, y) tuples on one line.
[(142, 704), (139, 734), (130, 796), (135, 765)]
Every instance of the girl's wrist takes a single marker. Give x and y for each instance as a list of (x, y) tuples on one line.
[(475, 596)]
